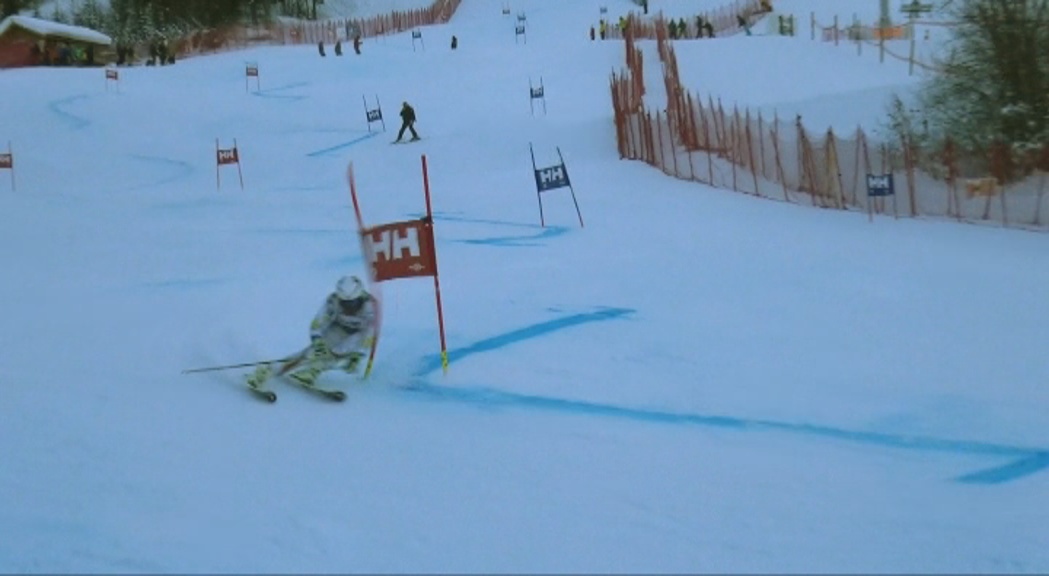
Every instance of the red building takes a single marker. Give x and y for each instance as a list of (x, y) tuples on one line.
[(27, 41)]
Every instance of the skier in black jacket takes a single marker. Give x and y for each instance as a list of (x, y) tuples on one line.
[(407, 122)]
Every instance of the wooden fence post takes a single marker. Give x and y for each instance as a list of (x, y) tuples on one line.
[(779, 160), (750, 154)]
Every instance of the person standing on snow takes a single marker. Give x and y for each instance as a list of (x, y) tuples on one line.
[(407, 122), (340, 333)]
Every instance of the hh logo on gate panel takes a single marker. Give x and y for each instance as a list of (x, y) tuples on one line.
[(400, 249), (228, 156), (393, 244), (550, 178), (880, 185)]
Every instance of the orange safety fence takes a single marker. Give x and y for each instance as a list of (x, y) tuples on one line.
[(700, 140)]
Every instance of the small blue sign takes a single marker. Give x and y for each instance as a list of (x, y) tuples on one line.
[(551, 178), (880, 185)]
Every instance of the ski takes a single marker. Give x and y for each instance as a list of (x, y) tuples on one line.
[(283, 373), (406, 141), (271, 396), (267, 395), (256, 383), (333, 395)]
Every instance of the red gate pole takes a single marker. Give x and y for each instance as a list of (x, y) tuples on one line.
[(375, 287), (218, 164), (11, 155), (436, 275), (236, 152)]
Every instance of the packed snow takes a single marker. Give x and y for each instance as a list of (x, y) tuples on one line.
[(693, 381)]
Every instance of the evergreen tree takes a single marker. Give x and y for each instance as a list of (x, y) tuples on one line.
[(90, 15), (994, 87), (9, 7), (59, 15)]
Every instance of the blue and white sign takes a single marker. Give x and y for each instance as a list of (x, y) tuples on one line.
[(879, 185), (373, 114), (551, 178), (536, 93)]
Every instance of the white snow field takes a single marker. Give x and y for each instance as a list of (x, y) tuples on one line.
[(695, 381)]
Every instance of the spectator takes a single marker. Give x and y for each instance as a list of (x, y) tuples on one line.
[(65, 54), (743, 23)]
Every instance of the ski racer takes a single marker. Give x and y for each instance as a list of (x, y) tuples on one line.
[(340, 333)]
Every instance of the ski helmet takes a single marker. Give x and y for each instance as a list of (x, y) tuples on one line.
[(349, 288)]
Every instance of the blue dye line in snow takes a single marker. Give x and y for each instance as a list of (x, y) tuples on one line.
[(530, 240), (449, 218), (73, 120), (324, 151), (433, 363), (1011, 471), (504, 241), (1030, 460), (184, 170), (1027, 460)]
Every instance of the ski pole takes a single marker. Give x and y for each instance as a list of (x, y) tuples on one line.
[(231, 366)]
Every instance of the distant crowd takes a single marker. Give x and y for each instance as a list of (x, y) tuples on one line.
[(679, 29), (159, 53), (46, 52), (62, 53)]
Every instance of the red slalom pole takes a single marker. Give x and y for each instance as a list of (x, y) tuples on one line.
[(436, 278)]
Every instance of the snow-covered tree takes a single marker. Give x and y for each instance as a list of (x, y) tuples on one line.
[(59, 15), (994, 88), (9, 7), (90, 14)]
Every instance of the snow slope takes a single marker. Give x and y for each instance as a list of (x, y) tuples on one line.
[(696, 381)]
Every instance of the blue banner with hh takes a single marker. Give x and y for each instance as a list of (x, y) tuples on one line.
[(552, 178), (373, 114), (880, 186)]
